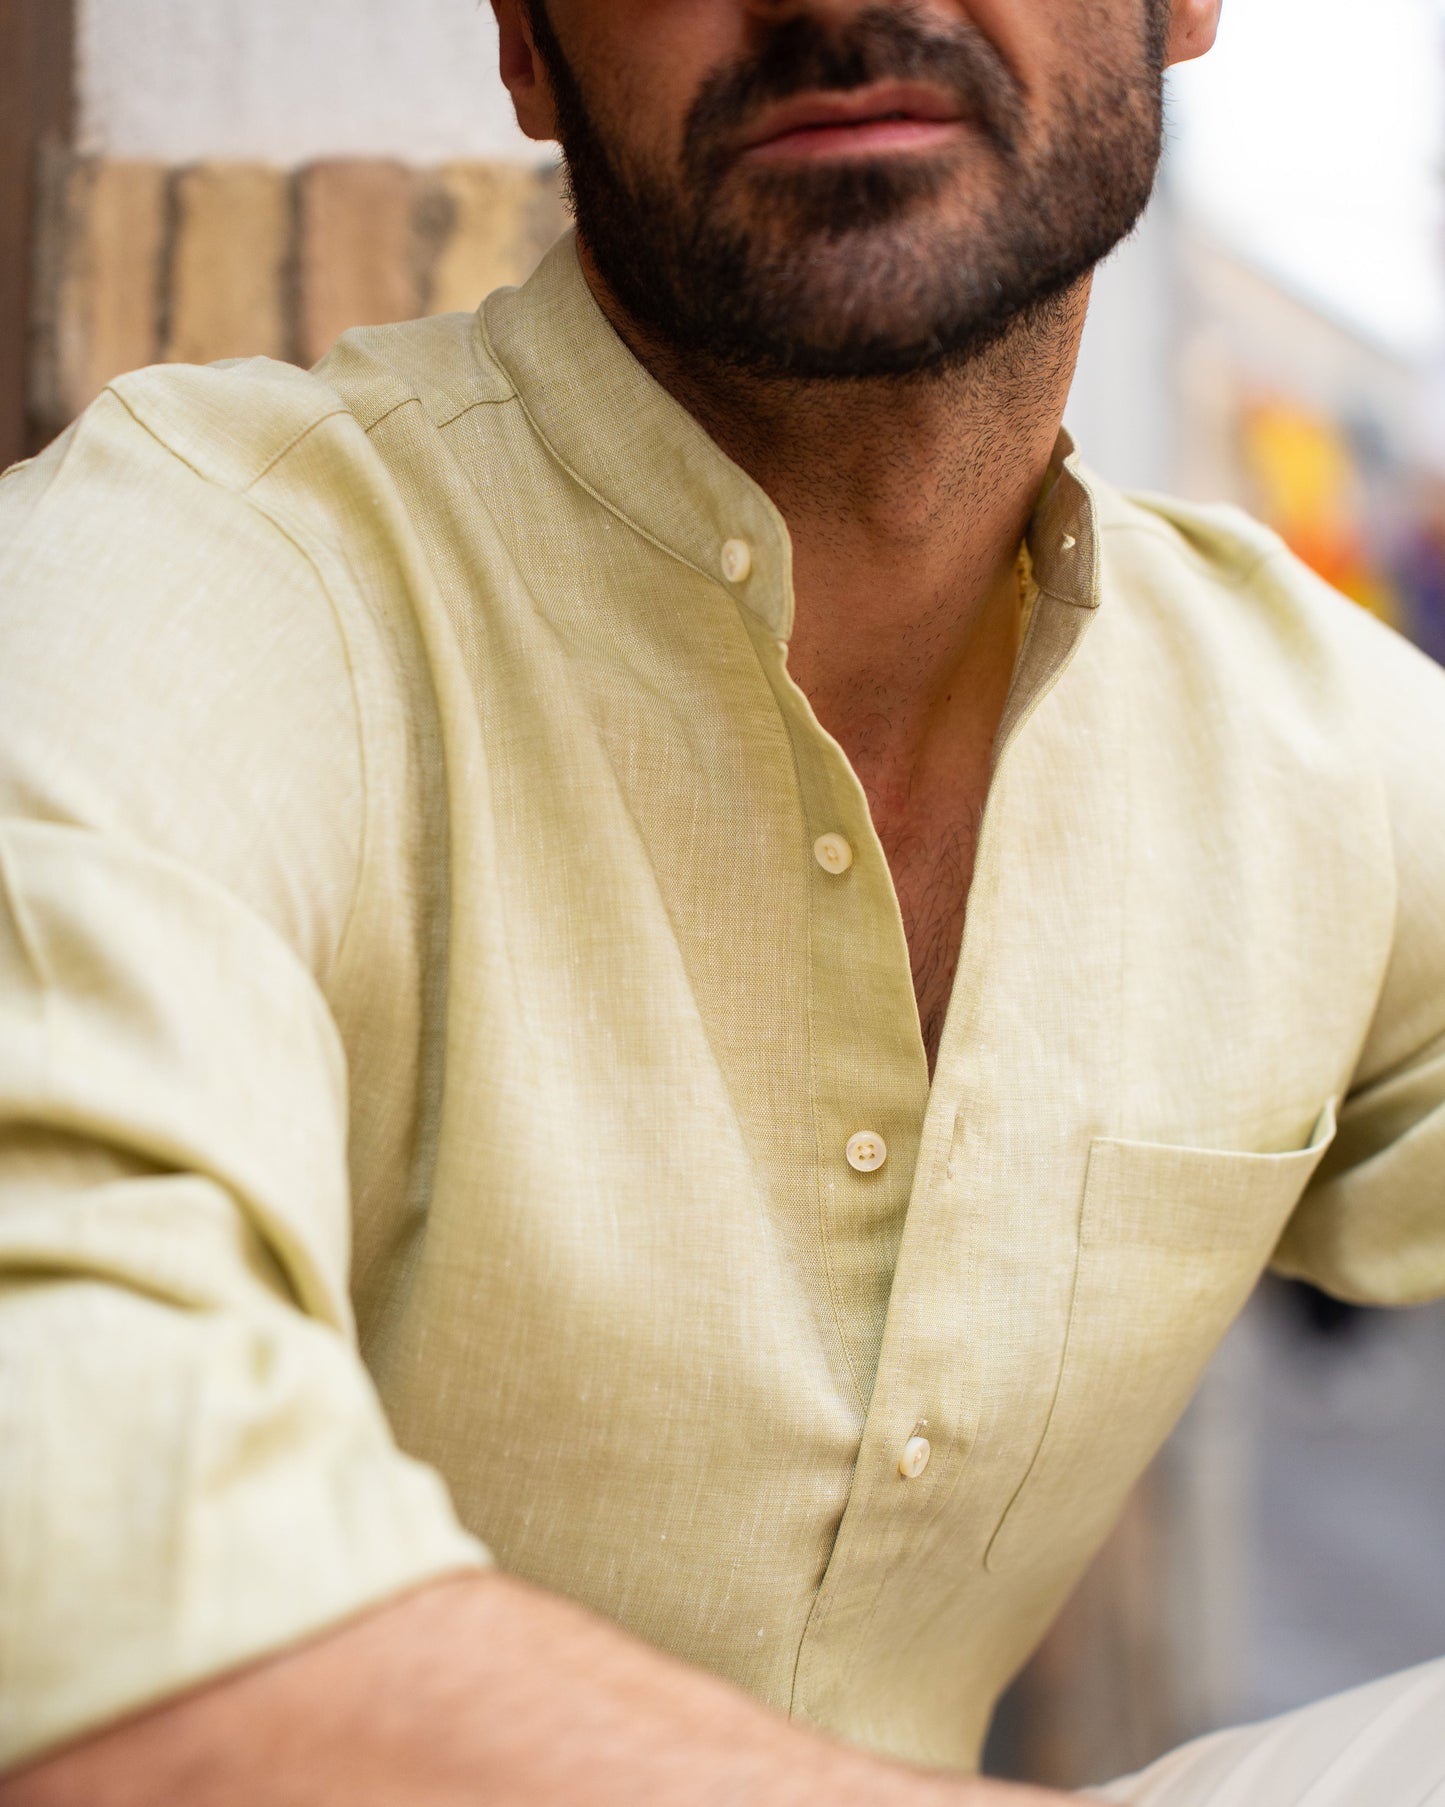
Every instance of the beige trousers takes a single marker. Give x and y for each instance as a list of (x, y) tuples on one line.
[(1382, 1745)]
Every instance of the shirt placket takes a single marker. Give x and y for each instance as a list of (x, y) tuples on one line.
[(921, 1413), (870, 1074)]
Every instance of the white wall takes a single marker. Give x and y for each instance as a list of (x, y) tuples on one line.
[(284, 81), (1310, 141), (1124, 406), (1309, 144)]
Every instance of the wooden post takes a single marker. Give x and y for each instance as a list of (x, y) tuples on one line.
[(37, 61)]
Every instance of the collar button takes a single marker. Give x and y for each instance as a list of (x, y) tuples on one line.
[(736, 560)]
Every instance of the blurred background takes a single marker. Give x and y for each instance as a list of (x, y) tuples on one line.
[(195, 179)]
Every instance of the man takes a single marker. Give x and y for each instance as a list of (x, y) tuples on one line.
[(788, 954)]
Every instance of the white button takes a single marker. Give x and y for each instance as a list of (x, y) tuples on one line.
[(832, 853), (867, 1151), (737, 560), (1069, 542), (914, 1459)]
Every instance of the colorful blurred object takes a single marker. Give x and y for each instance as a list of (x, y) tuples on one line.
[(1423, 569), (1309, 488)]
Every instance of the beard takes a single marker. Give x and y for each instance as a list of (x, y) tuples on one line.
[(863, 267)]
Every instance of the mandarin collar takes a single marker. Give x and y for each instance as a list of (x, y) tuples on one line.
[(625, 439), (1063, 532), (639, 452)]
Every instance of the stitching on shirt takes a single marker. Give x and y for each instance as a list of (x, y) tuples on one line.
[(818, 1610), (407, 401), (1071, 602), (363, 850), (286, 450), (833, 1290), (604, 501), (1071, 1319), (1178, 544), (233, 489), (449, 420), (1071, 1336), (481, 401), (502, 401), (944, 1501), (244, 496)]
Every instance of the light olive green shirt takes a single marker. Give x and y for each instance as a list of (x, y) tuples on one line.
[(430, 1025)]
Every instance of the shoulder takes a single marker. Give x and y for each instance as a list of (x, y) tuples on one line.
[(163, 430), (442, 366), (154, 505), (234, 421), (1228, 596), (173, 670), (169, 455), (252, 480), (1304, 701)]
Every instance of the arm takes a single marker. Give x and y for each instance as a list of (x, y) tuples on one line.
[(195, 1470), (479, 1690), (1371, 1227)]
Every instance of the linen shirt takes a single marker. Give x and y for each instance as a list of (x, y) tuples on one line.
[(431, 1042)]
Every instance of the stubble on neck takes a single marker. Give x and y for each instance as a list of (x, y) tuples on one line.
[(888, 458)]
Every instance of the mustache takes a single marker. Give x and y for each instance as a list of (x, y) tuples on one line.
[(882, 43)]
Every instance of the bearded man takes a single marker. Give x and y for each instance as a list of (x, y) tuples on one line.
[(654, 955)]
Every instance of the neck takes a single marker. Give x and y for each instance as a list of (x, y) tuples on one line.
[(906, 500)]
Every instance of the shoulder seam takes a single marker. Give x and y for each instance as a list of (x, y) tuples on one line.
[(442, 422), (244, 495), (1233, 580), (290, 446), (238, 488), (480, 401)]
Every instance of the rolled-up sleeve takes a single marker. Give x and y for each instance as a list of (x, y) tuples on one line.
[(195, 1469)]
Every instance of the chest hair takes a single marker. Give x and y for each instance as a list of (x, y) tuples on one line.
[(932, 866)]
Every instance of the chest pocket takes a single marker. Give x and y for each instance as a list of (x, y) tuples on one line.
[(1171, 1242)]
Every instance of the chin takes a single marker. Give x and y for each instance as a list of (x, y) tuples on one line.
[(858, 309)]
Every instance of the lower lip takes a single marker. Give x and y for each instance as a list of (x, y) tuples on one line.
[(868, 138)]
